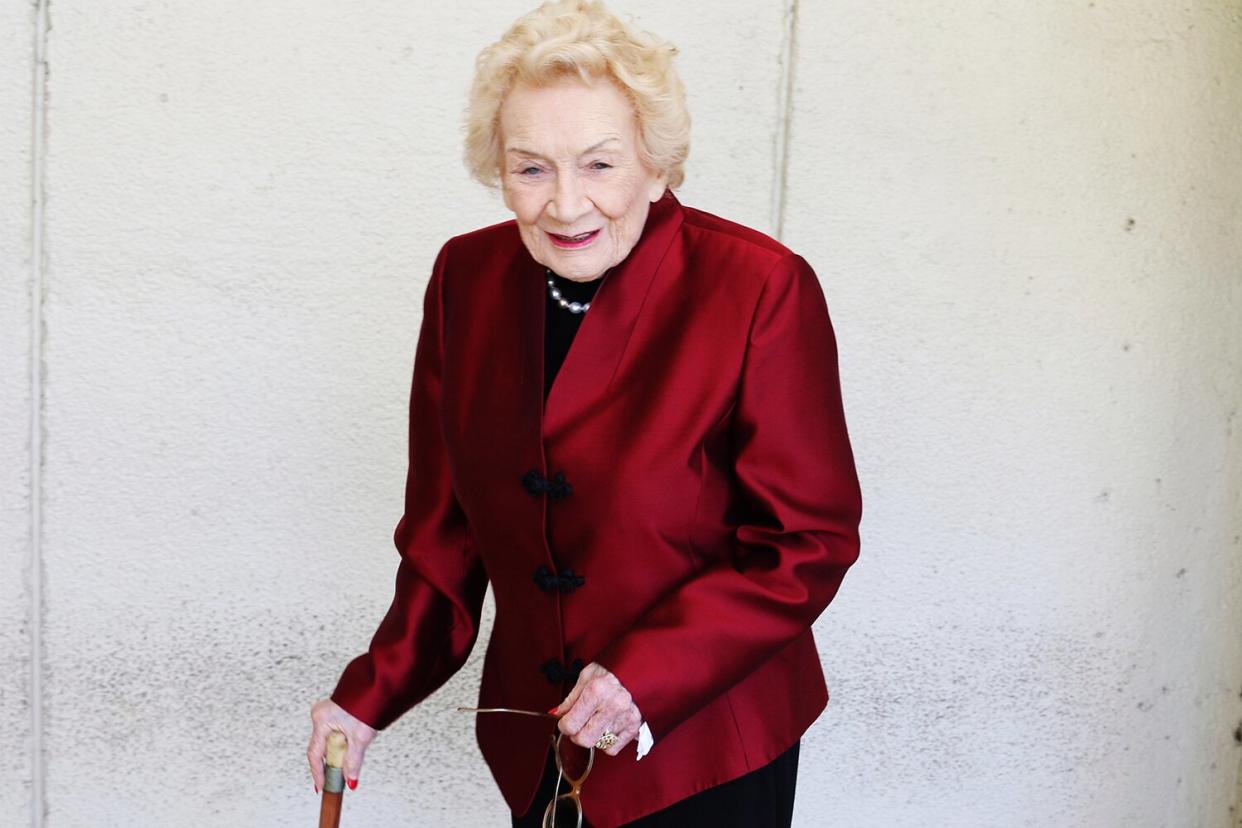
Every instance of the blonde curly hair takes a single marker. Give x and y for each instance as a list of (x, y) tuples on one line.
[(580, 38)]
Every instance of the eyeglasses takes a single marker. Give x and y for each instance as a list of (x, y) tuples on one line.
[(575, 783)]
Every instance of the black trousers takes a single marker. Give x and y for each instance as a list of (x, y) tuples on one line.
[(762, 798)]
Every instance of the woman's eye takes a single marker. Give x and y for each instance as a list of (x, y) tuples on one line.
[(528, 171), (601, 165)]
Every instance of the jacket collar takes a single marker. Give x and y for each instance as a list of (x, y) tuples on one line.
[(590, 365)]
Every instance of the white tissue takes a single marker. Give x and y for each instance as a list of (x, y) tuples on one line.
[(645, 740)]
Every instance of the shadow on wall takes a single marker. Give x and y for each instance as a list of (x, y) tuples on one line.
[(1237, 794)]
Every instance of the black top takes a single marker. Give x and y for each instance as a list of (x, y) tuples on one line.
[(562, 324)]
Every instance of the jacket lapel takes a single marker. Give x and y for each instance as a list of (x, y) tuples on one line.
[(587, 372)]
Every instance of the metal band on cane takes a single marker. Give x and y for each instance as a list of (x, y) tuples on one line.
[(333, 780)]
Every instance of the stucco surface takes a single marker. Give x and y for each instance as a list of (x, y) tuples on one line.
[(16, 61), (1028, 223)]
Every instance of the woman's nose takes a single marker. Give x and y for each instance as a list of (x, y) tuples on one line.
[(569, 202)]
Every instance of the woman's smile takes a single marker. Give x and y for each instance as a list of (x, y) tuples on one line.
[(573, 242)]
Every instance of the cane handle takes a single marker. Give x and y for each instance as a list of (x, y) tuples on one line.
[(333, 778), (336, 749)]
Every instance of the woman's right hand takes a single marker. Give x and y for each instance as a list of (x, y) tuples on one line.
[(327, 716)]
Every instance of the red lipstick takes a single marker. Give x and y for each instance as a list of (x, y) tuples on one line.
[(572, 242)]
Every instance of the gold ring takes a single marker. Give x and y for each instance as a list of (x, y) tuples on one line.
[(607, 740)]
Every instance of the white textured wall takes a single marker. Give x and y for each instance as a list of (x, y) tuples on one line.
[(1028, 222), (1029, 219), (16, 245)]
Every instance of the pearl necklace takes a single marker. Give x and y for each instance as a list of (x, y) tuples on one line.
[(572, 307)]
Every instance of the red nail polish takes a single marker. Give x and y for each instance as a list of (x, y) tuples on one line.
[(353, 784), (554, 709)]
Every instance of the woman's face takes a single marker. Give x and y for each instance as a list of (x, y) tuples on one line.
[(572, 176)]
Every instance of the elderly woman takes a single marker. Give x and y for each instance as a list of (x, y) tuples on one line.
[(626, 417)]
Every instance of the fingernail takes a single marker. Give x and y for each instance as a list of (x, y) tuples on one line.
[(353, 783), (316, 789), (554, 709)]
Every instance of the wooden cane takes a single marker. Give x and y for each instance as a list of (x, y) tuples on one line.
[(333, 781)]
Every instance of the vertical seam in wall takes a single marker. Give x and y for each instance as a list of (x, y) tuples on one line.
[(784, 109), (38, 197)]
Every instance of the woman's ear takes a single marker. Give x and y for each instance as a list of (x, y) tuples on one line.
[(498, 159), (658, 185), (504, 190)]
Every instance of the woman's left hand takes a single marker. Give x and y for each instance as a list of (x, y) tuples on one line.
[(597, 703)]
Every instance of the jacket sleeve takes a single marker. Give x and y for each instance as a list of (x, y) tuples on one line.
[(797, 511), (433, 621)]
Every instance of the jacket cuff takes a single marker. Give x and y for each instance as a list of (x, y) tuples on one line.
[(358, 694)]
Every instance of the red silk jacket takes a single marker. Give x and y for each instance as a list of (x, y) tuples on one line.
[(681, 510)]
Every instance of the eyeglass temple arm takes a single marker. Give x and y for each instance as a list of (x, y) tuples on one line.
[(535, 713)]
